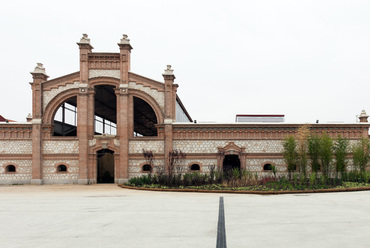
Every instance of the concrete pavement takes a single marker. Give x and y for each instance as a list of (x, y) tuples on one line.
[(108, 216)]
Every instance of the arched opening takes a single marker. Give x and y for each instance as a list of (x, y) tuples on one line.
[(65, 119), (105, 107), (105, 166), (10, 168), (147, 168), (195, 167), (144, 119), (62, 168), (231, 162), (267, 167)]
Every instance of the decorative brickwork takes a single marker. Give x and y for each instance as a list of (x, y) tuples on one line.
[(104, 73), (15, 131), (52, 176), (256, 164), (60, 147), (137, 146), (16, 147), (210, 146), (49, 95), (135, 166), (21, 176), (158, 96), (203, 163)]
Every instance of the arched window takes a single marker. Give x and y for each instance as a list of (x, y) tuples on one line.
[(195, 167), (144, 119), (62, 168), (267, 167), (65, 119), (10, 168), (105, 107), (147, 168)]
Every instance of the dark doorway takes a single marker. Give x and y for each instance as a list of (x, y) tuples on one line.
[(231, 162), (105, 166)]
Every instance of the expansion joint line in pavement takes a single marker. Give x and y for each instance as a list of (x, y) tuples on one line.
[(221, 233)]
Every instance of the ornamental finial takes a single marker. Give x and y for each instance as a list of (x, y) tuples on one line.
[(168, 71)]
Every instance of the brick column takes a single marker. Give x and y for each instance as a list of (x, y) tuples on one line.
[(39, 76), (124, 117), (83, 110), (169, 111), (122, 133)]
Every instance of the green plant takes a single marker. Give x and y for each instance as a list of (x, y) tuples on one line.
[(361, 154), (314, 147), (326, 153), (290, 153), (340, 153), (312, 179), (274, 170), (302, 136)]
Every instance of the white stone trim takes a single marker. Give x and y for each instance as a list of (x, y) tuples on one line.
[(36, 121), (158, 96), (51, 94), (104, 73), (168, 121)]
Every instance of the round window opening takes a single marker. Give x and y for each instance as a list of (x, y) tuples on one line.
[(10, 168), (147, 168), (267, 167), (195, 167), (62, 168)]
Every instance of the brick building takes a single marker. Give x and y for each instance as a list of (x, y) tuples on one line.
[(91, 126)]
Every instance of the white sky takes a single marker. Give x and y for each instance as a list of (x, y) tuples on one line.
[(308, 60)]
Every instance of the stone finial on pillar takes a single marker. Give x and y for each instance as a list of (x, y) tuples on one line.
[(39, 72), (363, 116), (124, 39), (29, 117), (39, 68), (125, 43), (85, 39), (168, 74), (168, 71), (85, 42)]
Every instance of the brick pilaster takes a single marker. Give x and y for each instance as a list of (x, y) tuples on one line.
[(84, 108), (39, 76), (169, 111)]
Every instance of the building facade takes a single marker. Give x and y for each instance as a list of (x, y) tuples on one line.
[(93, 125)]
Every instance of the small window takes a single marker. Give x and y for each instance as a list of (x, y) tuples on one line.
[(62, 168), (195, 167), (147, 168), (267, 167), (10, 168)]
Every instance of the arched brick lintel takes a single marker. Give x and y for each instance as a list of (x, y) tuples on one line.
[(54, 104)]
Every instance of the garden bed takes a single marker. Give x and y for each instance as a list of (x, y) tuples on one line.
[(239, 190)]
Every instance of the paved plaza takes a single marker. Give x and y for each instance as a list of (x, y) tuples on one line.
[(108, 216)]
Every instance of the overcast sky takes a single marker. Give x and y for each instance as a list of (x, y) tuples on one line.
[(308, 60)]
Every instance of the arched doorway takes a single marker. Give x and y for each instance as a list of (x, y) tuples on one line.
[(105, 162), (231, 162)]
